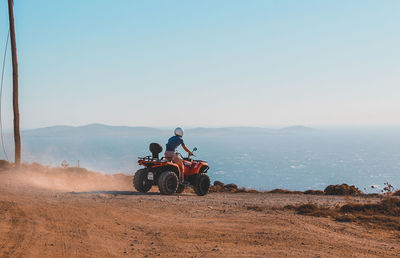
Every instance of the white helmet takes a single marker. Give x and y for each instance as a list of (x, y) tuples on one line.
[(178, 131)]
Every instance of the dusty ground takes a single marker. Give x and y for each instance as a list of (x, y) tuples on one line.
[(91, 215)]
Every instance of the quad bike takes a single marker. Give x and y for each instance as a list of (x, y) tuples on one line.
[(165, 173)]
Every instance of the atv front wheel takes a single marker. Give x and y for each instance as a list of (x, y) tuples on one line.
[(168, 183), (202, 184), (180, 189), (140, 181)]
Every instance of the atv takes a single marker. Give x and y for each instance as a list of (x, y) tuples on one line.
[(165, 173)]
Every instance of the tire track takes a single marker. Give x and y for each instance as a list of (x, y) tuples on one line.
[(14, 241)]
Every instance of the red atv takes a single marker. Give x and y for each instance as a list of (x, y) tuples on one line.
[(165, 174)]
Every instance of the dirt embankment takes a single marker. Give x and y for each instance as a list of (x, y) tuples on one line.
[(55, 212)]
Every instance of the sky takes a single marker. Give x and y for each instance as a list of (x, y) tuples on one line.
[(205, 63)]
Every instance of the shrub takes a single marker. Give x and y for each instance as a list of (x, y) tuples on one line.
[(306, 208), (343, 189), (314, 192)]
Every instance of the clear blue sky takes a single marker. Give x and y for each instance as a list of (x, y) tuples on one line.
[(205, 63)]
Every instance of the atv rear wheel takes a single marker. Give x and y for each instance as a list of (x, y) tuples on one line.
[(202, 184), (140, 181), (180, 189), (168, 183)]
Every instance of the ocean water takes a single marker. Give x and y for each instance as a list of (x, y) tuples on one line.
[(307, 161), (295, 161)]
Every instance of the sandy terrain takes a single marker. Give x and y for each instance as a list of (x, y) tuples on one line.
[(92, 215)]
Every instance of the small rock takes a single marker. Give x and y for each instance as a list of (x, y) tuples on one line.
[(231, 186), (219, 183)]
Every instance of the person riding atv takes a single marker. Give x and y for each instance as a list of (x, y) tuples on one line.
[(170, 153), (172, 173)]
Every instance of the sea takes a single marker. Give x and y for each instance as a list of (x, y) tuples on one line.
[(365, 157)]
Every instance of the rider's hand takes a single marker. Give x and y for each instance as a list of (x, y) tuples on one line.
[(191, 154)]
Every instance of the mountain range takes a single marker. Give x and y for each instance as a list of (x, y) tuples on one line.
[(107, 130)]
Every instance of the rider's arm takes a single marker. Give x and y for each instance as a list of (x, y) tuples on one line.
[(186, 149)]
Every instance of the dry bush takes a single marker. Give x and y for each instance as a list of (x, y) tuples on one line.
[(306, 208), (283, 191), (388, 189), (219, 183), (382, 221), (388, 206), (343, 189), (385, 214), (314, 192), (231, 186), (256, 208), (217, 189), (220, 187), (252, 191), (396, 193)]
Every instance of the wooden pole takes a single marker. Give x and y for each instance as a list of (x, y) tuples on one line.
[(17, 136)]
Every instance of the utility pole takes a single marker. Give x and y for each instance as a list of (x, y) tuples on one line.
[(17, 136)]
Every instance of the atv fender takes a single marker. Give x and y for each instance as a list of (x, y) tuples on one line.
[(172, 167)]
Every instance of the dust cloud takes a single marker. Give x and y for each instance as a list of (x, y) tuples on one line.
[(70, 179)]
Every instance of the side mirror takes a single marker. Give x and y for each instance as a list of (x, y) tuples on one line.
[(195, 149)]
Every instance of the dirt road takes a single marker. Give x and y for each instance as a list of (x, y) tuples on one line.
[(47, 217)]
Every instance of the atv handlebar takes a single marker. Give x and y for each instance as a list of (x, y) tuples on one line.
[(188, 157), (194, 149)]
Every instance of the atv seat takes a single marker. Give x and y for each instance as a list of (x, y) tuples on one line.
[(155, 149)]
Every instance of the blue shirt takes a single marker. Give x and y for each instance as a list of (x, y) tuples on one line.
[(174, 143)]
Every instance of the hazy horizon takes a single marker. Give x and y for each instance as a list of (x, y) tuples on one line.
[(168, 127)]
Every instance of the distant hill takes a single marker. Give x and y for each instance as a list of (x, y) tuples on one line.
[(107, 130)]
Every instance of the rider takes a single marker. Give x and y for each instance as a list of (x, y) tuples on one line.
[(170, 152)]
